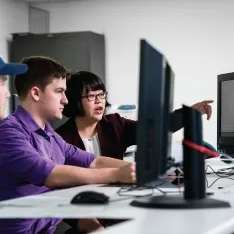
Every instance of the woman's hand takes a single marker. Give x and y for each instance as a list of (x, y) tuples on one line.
[(204, 107)]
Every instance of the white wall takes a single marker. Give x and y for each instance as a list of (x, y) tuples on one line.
[(196, 36), (13, 19)]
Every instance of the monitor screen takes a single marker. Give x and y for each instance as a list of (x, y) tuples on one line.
[(227, 108), (225, 114), (155, 104)]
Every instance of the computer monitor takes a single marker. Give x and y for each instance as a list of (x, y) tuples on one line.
[(225, 114), (153, 137), (155, 104)]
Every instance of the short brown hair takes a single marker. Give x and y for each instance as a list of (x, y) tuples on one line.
[(41, 72)]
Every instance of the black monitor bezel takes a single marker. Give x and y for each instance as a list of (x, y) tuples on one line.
[(222, 141), (153, 60)]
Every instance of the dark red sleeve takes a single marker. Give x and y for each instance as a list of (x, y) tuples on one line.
[(176, 120), (130, 131)]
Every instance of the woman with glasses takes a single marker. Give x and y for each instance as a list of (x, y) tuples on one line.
[(89, 129)]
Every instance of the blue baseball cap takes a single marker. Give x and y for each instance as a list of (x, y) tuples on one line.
[(12, 68)]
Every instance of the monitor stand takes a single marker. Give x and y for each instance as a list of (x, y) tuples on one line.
[(178, 202), (194, 196)]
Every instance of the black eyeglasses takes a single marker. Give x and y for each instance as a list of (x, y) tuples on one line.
[(93, 97)]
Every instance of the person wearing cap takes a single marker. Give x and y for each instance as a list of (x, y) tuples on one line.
[(8, 69)]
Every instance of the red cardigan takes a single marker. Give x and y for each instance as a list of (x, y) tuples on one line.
[(115, 133)]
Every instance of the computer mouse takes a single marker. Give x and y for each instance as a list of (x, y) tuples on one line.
[(90, 197)]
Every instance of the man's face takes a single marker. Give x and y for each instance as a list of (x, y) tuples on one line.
[(53, 99), (4, 95)]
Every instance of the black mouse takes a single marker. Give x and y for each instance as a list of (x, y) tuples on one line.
[(90, 197)]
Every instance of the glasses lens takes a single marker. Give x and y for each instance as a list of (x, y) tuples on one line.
[(93, 97), (102, 95)]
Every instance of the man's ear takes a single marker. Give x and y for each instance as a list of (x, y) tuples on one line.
[(35, 93)]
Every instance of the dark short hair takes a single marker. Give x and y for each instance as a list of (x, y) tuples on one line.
[(76, 84), (41, 72)]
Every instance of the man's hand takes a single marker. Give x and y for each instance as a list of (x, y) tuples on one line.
[(204, 107), (89, 225), (126, 174)]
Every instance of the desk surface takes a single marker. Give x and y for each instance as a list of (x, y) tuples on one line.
[(57, 204)]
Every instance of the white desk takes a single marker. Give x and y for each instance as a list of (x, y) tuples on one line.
[(56, 204)]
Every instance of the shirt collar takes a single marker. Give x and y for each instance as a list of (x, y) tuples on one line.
[(49, 130), (30, 123)]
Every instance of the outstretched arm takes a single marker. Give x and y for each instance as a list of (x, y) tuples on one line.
[(177, 116)]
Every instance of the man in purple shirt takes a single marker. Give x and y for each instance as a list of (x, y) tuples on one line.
[(8, 69), (34, 159)]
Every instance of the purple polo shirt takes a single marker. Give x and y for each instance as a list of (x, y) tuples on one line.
[(28, 154)]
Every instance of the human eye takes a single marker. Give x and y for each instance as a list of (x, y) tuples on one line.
[(102, 95), (91, 96), (60, 90)]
